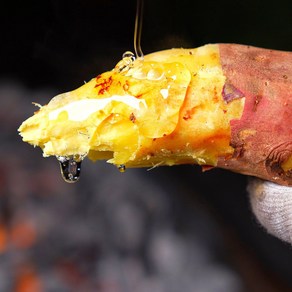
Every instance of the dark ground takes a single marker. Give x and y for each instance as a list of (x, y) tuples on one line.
[(169, 229)]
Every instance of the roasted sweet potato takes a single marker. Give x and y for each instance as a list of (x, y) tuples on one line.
[(221, 105)]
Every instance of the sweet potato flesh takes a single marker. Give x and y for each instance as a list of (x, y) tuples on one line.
[(166, 109)]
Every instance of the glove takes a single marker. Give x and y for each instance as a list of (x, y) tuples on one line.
[(272, 205)]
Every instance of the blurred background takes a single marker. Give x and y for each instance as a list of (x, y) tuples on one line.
[(164, 230)]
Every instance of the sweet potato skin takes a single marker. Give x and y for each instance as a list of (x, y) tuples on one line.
[(262, 138)]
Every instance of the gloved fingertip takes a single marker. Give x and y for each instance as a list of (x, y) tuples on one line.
[(272, 205)]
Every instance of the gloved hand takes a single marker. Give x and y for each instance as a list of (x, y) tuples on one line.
[(272, 205)]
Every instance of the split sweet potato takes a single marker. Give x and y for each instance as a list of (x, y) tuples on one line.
[(218, 105)]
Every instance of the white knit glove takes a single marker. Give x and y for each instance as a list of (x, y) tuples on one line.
[(272, 205)]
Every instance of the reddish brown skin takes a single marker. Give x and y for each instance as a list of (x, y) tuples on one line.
[(262, 138)]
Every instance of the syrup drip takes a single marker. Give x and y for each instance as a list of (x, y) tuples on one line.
[(70, 167), (122, 168)]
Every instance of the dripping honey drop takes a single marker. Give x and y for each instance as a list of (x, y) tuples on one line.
[(122, 168), (70, 167)]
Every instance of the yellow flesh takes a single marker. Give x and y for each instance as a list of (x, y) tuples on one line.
[(287, 165), (167, 109)]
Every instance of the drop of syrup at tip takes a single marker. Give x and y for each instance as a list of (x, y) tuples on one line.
[(70, 167), (122, 168)]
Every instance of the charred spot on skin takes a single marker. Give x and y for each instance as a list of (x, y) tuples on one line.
[(230, 92), (132, 118), (257, 100)]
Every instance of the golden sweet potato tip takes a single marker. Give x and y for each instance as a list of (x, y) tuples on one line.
[(217, 105)]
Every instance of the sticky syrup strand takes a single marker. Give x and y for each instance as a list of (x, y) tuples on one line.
[(138, 29)]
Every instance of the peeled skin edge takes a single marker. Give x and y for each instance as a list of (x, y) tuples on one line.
[(222, 105)]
